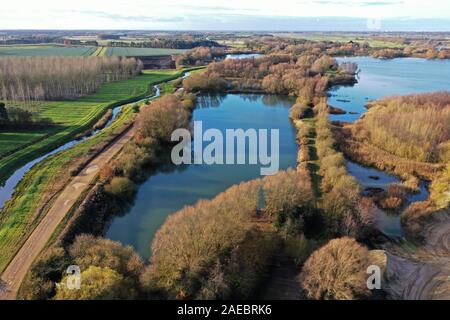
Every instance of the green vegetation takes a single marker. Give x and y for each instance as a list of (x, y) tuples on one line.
[(371, 41), (100, 51), (45, 50), (34, 193), (129, 51), (74, 117)]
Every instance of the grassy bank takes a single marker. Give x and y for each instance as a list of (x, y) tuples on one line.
[(72, 117)]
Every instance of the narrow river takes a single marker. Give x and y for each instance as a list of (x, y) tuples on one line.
[(8, 187)]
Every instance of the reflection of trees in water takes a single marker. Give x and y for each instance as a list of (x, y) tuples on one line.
[(273, 100), (210, 100), (215, 100), (251, 97), (164, 165)]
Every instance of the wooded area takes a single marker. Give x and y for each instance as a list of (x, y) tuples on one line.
[(53, 78)]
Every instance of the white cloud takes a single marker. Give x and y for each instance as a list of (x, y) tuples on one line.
[(178, 14)]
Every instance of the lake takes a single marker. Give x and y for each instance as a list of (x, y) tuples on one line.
[(381, 78), (170, 190)]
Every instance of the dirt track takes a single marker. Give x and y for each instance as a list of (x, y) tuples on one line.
[(15, 272), (424, 274)]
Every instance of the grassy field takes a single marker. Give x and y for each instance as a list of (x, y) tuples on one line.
[(71, 117), (123, 51), (373, 42), (45, 50), (100, 51), (60, 50), (24, 211)]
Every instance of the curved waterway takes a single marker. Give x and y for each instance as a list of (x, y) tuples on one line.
[(8, 187), (175, 187), (377, 79)]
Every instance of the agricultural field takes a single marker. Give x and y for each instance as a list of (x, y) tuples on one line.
[(54, 50), (46, 50), (70, 118), (17, 218), (100, 51), (373, 42), (124, 51)]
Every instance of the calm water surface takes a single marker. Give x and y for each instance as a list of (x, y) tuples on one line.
[(381, 78), (243, 55), (377, 79), (169, 191)]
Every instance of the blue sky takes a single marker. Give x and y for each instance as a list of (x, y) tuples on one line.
[(359, 15)]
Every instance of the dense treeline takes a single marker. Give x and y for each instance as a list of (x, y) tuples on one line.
[(216, 248), (347, 213), (419, 49), (304, 76), (52, 78), (166, 43), (155, 124), (415, 127), (200, 56)]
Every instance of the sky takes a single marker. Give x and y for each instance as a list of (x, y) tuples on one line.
[(294, 15)]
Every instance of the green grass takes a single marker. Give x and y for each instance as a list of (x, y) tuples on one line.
[(60, 50), (23, 212), (100, 51), (45, 50), (373, 42), (72, 117), (124, 51), (21, 215)]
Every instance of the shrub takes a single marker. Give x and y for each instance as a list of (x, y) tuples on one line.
[(303, 154), (121, 187), (40, 281), (106, 172), (204, 82), (299, 248), (394, 197), (337, 271), (304, 130), (162, 117), (298, 111), (286, 192), (131, 160), (238, 276), (88, 250), (98, 284)]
